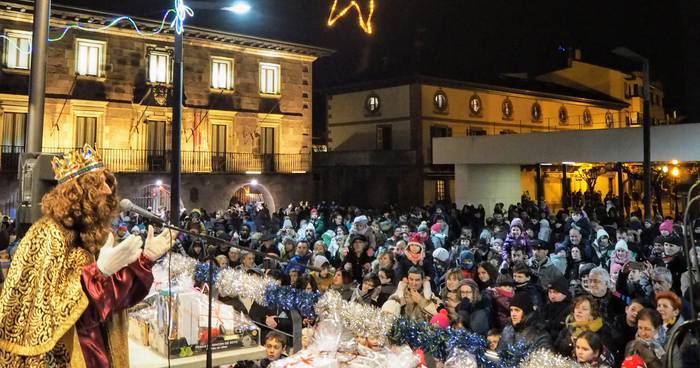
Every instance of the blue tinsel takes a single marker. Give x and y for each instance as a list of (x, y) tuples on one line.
[(440, 342), (201, 273), (289, 298)]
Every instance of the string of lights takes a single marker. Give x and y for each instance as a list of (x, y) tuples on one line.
[(365, 24), (180, 10)]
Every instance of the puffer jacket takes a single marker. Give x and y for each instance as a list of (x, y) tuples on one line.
[(531, 331)]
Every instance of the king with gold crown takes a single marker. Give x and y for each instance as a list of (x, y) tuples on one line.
[(64, 301)]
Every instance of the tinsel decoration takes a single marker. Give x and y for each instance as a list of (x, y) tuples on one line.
[(422, 335), (179, 265), (460, 358), (238, 283), (471, 343), (514, 354), (361, 320), (440, 342), (545, 358), (201, 273), (289, 298)]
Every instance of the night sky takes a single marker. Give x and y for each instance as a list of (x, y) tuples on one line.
[(467, 39)]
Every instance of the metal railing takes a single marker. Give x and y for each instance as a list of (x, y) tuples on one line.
[(153, 161)]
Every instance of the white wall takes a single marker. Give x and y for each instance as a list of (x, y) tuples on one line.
[(668, 142), (352, 128), (487, 184)]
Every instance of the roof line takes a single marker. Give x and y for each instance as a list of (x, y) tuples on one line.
[(424, 79), (245, 40)]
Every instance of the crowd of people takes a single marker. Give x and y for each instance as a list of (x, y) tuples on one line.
[(584, 283)]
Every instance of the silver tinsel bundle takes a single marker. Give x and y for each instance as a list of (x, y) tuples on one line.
[(361, 320), (179, 265), (232, 282), (545, 358)]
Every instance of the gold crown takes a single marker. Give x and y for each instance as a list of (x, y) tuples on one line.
[(76, 163)]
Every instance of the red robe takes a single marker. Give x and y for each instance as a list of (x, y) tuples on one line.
[(108, 295)]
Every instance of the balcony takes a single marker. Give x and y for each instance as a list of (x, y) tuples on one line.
[(156, 161)]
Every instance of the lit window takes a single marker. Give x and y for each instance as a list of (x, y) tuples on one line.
[(563, 115), (18, 45), (91, 58), (159, 68), (269, 78), (440, 101), (475, 105), (536, 111), (440, 194), (221, 73), (587, 117), (372, 103), (507, 108), (609, 120)]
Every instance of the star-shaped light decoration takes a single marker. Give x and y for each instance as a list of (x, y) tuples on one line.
[(365, 24)]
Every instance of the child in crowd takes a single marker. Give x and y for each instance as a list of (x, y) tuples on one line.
[(515, 239)]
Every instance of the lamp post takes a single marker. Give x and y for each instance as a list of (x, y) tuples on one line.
[(238, 7), (37, 77), (646, 125)]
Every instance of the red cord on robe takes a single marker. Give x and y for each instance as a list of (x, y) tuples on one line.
[(108, 295)]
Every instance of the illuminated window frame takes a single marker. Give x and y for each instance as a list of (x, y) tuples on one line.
[(90, 57), (270, 79), (15, 42), (218, 81)]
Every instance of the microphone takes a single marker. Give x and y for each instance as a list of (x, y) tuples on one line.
[(127, 205)]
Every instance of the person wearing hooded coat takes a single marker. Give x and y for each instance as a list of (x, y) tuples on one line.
[(555, 311), (545, 232), (596, 251), (475, 308), (525, 326)]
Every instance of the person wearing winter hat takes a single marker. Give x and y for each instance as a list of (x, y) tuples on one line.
[(560, 258), (122, 232), (440, 319), (619, 259), (541, 265), (441, 262), (666, 228), (674, 259), (466, 263), (524, 326), (415, 256), (324, 277), (501, 296), (558, 306), (438, 235), (360, 226), (516, 238), (633, 361)]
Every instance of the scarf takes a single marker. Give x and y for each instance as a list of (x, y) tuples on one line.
[(577, 328)]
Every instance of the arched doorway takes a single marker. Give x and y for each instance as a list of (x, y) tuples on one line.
[(249, 193), (155, 196)]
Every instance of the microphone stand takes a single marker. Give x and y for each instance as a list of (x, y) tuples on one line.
[(210, 275)]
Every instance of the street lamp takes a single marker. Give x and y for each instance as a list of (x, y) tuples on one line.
[(238, 7), (675, 172), (631, 55), (254, 182)]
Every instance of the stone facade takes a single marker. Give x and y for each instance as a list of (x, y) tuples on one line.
[(123, 101)]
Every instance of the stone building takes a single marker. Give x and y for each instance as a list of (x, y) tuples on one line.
[(382, 133), (246, 115)]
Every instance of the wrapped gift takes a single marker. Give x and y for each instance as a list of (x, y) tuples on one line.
[(306, 359), (140, 325), (183, 331)]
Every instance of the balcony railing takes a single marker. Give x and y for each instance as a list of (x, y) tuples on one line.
[(153, 161)]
